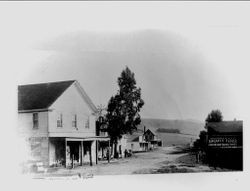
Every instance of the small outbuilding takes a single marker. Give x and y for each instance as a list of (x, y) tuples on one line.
[(225, 144)]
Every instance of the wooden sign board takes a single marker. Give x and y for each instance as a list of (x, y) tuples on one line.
[(224, 142)]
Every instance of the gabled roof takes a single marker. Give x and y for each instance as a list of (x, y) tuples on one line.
[(150, 131), (225, 127), (43, 95), (134, 137), (86, 97)]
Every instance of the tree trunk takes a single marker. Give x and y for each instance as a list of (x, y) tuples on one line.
[(115, 151), (111, 151)]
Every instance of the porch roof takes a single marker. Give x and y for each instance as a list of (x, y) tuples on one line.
[(96, 138)]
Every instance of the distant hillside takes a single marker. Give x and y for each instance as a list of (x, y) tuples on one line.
[(173, 132), (164, 130), (170, 139), (189, 127)]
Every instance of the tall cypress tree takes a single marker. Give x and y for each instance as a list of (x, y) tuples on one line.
[(123, 109)]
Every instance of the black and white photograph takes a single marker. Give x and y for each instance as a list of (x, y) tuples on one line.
[(134, 89)]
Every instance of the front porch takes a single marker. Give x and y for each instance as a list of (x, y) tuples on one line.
[(72, 152)]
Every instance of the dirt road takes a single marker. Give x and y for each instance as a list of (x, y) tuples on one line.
[(162, 160)]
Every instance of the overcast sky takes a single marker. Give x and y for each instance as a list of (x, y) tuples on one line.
[(188, 58)]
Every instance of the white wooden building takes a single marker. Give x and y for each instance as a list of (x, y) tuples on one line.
[(58, 121)]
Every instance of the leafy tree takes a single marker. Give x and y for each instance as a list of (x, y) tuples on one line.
[(201, 143), (203, 139), (214, 116), (123, 109)]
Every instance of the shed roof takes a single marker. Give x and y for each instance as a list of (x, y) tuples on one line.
[(133, 137), (225, 127)]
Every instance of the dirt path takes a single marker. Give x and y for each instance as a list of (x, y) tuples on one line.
[(162, 160), (175, 161)]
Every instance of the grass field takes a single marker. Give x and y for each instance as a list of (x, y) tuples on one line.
[(190, 127), (170, 139)]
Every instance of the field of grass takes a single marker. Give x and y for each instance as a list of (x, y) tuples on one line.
[(190, 127), (170, 139), (173, 132)]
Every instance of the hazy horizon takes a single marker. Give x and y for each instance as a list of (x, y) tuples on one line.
[(186, 61), (174, 76)]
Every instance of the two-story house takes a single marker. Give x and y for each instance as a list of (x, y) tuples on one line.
[(58, 121), (142, 140), (152, 139)]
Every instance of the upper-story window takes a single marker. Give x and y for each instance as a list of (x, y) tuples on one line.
[(35, 121), (74, 121), (59, 121), (86, 125)]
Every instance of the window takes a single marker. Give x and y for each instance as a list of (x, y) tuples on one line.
[(87, 123), (59, 121), (35, 120), (74, 121)]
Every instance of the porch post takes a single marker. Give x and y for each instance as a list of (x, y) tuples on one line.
[(90, 154), (102, 152), (109, 152), (82, 153), (96, 152), (65, 153)]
